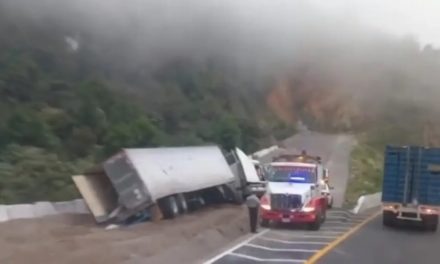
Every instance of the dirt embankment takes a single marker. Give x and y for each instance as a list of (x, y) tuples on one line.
[(76, 239)]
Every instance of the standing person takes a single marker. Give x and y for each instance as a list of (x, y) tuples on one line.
[(253, 204)]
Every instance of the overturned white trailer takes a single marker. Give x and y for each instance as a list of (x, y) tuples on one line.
[(174, 178)]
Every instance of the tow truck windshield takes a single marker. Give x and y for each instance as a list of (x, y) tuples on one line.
[(293, 174)]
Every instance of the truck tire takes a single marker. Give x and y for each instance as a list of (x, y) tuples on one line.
[(388, 218), (431, 222), (233, 195), (182, 203), (330, 205), (323, 215), (316, 225), (169, 207)]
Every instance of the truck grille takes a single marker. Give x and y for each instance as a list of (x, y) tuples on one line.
[(285, 202)]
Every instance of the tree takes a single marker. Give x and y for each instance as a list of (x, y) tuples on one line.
[(29, 174), (81, 142), (139, 133), (19, 80), (27, 128), (227, 133)]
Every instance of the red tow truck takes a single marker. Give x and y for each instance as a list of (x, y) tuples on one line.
[(296, 192)]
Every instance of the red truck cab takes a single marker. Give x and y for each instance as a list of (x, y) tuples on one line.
[(295, 192)]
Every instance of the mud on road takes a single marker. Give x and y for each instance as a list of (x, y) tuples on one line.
[(76, 238)]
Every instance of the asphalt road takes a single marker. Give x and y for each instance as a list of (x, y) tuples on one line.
[(374, 243), (289, 244), (334, 151)]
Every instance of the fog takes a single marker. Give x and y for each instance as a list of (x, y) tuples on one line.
[(307, 42), (264, 33)]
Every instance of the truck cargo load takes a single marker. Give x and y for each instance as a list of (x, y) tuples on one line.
[(411, 185), (171, 177)]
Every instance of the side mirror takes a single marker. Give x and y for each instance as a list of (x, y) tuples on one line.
[(331, 187), (312, 187)]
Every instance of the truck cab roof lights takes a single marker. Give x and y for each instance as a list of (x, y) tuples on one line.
[(297, 158)]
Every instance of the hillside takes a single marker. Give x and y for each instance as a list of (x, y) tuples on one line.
[(79, 81), (64, 107)]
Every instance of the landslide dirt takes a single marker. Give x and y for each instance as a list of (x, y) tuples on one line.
[(76, 239)]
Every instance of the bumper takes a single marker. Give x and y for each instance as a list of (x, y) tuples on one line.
[(287, 217)]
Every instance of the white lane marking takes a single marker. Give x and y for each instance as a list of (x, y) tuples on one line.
[(226, 252), (280, 249), (340, 228), (339, 224), (339, 212), (337, 221), (268, 260), (335, 228), (336, 225), (340, 218), (319, 233), (330, 231), (291, 242), (296, 235)]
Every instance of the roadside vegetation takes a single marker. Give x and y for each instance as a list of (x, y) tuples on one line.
[(366, 167), (367, 158)]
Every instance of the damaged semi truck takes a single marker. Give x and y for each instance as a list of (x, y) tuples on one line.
[(173, 179)]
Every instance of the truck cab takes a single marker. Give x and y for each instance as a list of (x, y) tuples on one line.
[(295, 191)]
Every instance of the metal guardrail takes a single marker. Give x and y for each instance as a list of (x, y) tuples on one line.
[(40, 209)]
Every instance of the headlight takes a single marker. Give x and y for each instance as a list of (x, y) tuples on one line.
[(308, 209), (265, 202)]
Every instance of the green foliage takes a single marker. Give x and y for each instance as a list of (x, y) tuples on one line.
[(25, 127), (30, 174), (366, 163), (366, 170), (227, 133), (59, 108), (283, 130), (138, 133)]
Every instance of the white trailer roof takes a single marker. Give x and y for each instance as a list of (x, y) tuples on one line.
[(170, 170)]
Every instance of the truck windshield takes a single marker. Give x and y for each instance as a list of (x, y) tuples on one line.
[(294, 174)]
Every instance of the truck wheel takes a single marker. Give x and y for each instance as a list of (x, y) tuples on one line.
[(264, 223), (182, 204), (169, 207), (213, 195), (324, 215), (233, 195), (330, 204), (221, 194), (388, 218), (431, 223)]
